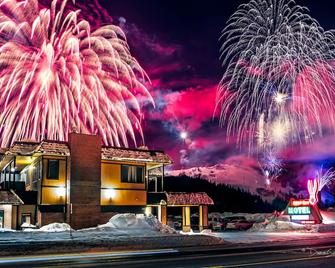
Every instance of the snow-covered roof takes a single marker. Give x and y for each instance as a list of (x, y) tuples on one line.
[(114, 153), (177, 198), (107, 153), (43, 147), (9, 197)]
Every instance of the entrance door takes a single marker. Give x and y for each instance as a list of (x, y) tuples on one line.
[(26, 218)]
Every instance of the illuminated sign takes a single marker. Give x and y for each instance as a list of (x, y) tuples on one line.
[(313, 188), (298, 203), (300, 217), (299, 210)]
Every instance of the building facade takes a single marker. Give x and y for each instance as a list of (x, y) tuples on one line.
[(84, 184)]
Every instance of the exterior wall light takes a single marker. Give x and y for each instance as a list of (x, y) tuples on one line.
[(148, 211), (111, 193), (60, 191)]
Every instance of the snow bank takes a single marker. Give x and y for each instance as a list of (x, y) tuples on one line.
[(27, 225), (254, 217), (130, 221), (4, 230), (55, 227), (275, 226), (328, 217)]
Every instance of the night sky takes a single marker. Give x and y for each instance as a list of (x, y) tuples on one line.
[(177, 43)]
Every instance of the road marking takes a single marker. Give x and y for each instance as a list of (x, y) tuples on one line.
[(84, 255), (270, 262)]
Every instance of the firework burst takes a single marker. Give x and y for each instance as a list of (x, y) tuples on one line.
[(325, 178), (58, 76), (271, 165), (279, 79)]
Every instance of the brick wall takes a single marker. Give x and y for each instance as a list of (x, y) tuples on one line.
[(45, 218), (105, 217), (85, 180)]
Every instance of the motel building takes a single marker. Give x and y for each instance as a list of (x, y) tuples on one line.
[(84, 184)]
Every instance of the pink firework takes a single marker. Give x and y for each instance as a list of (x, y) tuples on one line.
[(58, 76)]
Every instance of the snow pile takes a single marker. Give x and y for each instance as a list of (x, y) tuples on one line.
[(55, 227), (254, 217), (130, 221), (274, 226), (328, 216), (27, 225), (4, 230)]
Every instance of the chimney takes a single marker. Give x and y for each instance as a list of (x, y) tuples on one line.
[(85, 180)]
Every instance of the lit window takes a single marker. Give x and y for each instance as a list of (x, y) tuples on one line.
[(133, 174), (53, 169)]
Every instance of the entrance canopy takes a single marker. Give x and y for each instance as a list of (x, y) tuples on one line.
[(179, 199), (10, 198)]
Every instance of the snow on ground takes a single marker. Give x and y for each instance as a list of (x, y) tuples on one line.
[(276, 226), (129, 223), (328, 216), (255, 217), (121, 226), (257, 237), (55, 227)]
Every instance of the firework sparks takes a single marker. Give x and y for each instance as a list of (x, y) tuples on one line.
[(280, 98), (58, 76), (325, 178), (271, 166), (279, 73)]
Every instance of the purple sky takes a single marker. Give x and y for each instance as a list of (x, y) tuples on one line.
[(177, 44)]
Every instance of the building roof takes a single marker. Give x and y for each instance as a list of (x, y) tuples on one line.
[(200, 198), (179, 198), (124, 154), (9, 197), (107, 153), (44, 147)]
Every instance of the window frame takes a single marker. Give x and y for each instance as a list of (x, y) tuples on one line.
[(48, 169), (136, 166), (26, 215)]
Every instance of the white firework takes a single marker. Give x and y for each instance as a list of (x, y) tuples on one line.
[(279, 74), (325, 178)]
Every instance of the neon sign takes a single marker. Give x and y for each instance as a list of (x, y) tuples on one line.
[(312, 186), (299, 210), (298, 203)]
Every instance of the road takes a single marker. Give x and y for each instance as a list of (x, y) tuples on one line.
[(307, 253)]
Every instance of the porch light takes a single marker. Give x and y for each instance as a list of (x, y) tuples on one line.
[(148, 211), (111, 193), (60, 191)]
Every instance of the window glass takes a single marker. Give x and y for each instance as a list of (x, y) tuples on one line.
[(53, 169), (26, 218), (134, 174)]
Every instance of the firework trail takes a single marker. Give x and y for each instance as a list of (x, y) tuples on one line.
[(325, 178), (57, 76), (271, 165), (279, 79)]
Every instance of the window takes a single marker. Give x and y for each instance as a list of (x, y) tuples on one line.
[(53, 169), (134, 174), (26, 218), (2, 219)]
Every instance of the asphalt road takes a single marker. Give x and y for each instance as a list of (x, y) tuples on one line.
[(319, 253)]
